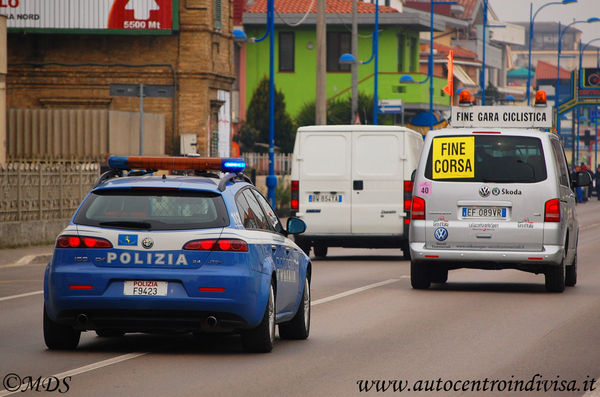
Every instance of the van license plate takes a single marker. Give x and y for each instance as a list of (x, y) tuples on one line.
[(324, 198), (145, 288), (484, 212)]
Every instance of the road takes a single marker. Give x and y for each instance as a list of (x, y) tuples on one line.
[(367, 325)]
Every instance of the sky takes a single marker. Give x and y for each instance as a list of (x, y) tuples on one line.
[(518, 11)]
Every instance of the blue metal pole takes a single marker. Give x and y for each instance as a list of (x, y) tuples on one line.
[(271, 179), (485, 11), (376, 54), (529, 63), (557, 89), (596, 140), (430, 69), (578, 123)]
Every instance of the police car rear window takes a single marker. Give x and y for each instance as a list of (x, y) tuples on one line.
[(486, 158), (153, 209)]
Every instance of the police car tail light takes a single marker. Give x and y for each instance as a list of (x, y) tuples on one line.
[(552, 211), (82, 242), (295, 196), (540, 98), (177, 163), (464, 98), (222, 244), (418, 208)]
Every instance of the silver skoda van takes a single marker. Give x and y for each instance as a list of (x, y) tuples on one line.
[(494, 192)]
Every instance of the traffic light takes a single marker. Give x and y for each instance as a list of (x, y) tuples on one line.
[(587, 138)]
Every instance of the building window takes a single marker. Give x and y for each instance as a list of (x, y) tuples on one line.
[(218, 14), (414, 54), (286, 51), (338, 43), (401, 61)]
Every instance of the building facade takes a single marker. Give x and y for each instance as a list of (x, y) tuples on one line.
[(180, 50)]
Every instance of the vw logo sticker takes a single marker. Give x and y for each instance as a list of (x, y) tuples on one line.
[(484, 191), (440, 234), (147, 243)]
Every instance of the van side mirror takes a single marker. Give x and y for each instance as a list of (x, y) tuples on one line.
[(295, 226)]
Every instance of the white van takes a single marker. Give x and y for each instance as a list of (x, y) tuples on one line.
[(351, 185)]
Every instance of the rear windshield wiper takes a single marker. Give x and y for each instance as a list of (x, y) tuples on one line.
[(127, 224)]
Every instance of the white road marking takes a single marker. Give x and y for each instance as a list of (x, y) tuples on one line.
[(130, 356), (354, 291), (24, 261), (6, 298)]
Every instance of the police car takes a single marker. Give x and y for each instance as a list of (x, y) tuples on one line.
[(198, 252), (494, 192)]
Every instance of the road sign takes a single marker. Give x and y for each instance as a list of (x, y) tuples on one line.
[(391, 105)]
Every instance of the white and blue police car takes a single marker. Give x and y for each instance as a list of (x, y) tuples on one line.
[(196, 252)]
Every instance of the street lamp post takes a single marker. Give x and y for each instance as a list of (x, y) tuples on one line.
[(351, 59), (557, 90), (531, 19), (581, 51)]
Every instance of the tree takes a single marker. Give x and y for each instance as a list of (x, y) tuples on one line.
[(256, 128), (338, 112)]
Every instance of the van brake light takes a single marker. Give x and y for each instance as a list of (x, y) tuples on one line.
[(418, 208), (294, 202), (552, 211)]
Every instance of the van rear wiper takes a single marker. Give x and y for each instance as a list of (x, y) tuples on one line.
[(128, 224)]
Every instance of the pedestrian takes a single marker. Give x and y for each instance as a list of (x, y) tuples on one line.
[(578, 192)]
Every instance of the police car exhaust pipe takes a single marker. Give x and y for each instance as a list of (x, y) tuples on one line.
[(211, 321), (82, 319)]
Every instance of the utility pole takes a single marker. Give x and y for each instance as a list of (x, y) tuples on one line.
[(321, 99), (354, 66)]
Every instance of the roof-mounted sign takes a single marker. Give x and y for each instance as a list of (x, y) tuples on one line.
[(92, 16), (501, 116)]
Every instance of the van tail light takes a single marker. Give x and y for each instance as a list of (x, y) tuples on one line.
[(552, 211), (82, 242), (221, 244), (408, 188), (418, 208), (295, 196)]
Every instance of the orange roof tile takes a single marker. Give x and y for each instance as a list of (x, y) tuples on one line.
[(547, 71), (459, 52), (302, 6)]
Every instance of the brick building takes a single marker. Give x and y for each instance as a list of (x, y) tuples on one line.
[(72, 63)]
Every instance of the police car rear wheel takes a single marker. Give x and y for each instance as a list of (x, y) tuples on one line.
[(571, 277), (419, 275), (299, 326), (261, 338), (58, 336)]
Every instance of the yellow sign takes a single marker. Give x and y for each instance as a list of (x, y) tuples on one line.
[(453, 157)]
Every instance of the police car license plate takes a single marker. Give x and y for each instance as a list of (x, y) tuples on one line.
[(145, 288), (325, 198), (484, 212)]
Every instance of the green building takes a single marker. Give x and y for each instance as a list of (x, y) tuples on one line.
[(296, 54)]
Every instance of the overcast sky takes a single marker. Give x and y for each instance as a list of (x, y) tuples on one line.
[(518, 11)]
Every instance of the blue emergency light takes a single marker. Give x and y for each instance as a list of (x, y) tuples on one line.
[(234, 165)]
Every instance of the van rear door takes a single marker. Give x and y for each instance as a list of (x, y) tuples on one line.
[(324, 179), (488, 192), (377, 182)]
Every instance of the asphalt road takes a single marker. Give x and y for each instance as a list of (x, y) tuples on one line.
[(494, 329)]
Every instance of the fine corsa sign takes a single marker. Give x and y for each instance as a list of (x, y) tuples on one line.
[(92, 16)]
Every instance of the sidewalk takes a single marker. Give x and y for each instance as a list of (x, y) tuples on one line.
[(14, 257)]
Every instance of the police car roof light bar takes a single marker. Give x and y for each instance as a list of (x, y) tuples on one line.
[(177, 163), (464, 98), (540, 98)]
